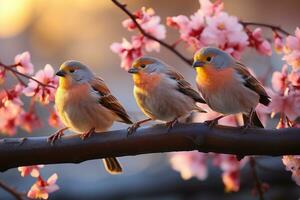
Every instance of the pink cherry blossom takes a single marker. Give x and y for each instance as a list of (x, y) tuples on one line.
[(278, 44), (228, 162), (292, 163), (44, 94), (33, 170), (150, 24), (225, 32), (231, 180), (12, 96), (190, 164), (292, 50), (9, 112), (41, 189), (190, 29), (289, 103), (208, 8), (148, 21), (231, 170), (29, 121), (280, 80), (2, 76), (127, 51), (257, 41), (8, 125), (24, 63), (54, 120), (294, 78)]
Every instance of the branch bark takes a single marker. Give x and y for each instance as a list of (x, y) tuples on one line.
[(143, 32), (16, 152), (17, 195)]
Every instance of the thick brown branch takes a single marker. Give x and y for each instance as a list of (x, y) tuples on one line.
[(17, 195), (16, 152), (273, 27), (166, 45)]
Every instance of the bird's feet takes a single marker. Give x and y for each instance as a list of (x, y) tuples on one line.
[(171, 124), (57, 135), (131, 129), (87, 134), (246, 126), (135, 126), (214, 122)]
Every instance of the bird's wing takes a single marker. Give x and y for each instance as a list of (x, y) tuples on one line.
[(184, 86), (108, 100), (252, 83)]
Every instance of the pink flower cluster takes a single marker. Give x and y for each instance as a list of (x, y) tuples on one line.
[(41, 188), (292, 163), (292, 50), (257, 41), (194, 164), (41, 88), (211, 26), (44, 94), (285, 96), (130, 50)]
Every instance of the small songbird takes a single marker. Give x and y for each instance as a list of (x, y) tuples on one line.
[(227, 85), (161, 92), (85, 104)]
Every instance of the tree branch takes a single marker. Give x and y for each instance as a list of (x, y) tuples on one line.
[(17, 74), (17, 195), (16, 152), (143, 32), (273, 27), (257, 181)]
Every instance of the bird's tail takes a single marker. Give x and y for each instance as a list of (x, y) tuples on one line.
[(112, 165), (255, 120)]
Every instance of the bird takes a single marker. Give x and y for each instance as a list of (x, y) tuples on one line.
[(161, 92), (227, 86), (85, 104)]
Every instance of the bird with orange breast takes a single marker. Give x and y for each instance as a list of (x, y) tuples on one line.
[(227, 85), (161, 92), (85, 104)]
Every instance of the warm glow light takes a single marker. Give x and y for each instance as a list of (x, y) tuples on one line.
[(14, 16)]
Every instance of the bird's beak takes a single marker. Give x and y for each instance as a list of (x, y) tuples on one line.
[(61, 73), (198, 64), (133, 70)]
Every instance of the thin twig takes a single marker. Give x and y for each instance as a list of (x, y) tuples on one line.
[(17, 74), (143, 32), (258, 184), (273, 27), (17, 195)]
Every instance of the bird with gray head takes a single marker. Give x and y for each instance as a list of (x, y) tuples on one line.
[(161, 92), (227, 85), (85, 104)]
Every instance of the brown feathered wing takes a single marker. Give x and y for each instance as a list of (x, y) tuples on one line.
[(252, 83), (184, 86), (109, 101)]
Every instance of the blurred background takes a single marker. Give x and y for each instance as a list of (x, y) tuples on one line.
[(55, 31)]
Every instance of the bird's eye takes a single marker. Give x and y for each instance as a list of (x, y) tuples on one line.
[(208, 59), (143, 65), (72, 70)]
